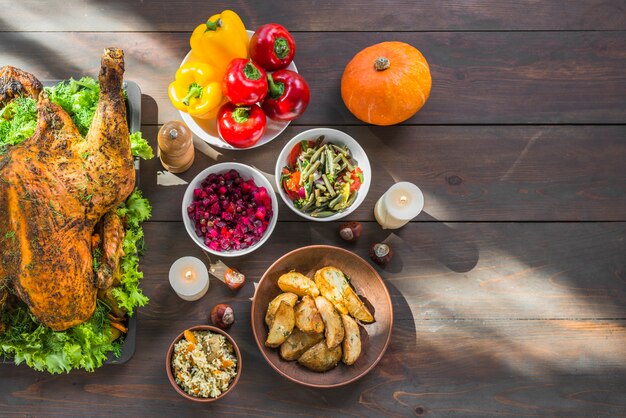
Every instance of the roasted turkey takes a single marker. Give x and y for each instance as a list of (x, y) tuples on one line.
[(56, 190)]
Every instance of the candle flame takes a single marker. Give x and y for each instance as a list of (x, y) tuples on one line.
[(188, 274), (403, 200)]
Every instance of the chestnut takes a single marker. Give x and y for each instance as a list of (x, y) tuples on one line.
[(222, 316), (350, 231), (381, 254), (234, 279)]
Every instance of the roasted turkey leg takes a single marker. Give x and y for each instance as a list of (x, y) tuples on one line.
[(54, 188)]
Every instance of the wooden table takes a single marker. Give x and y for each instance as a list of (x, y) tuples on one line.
[(509, 290)]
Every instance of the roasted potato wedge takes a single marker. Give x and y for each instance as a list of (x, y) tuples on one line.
[(290, 298), (320, 358), (334, 285), (297, 343), (333, 328), (356, 307), (281, 326), (331, 283), (297, 283), (308, 318), (351, 344)]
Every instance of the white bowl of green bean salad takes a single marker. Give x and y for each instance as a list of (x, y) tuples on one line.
[(323, 174)]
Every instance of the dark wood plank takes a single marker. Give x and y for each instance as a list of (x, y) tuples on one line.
[(301, 15), (459, 369), (479, 78), (466, 270), (469, 368), (523, 368), (466, 173)]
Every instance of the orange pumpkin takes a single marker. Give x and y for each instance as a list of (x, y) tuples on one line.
[(386, 83)]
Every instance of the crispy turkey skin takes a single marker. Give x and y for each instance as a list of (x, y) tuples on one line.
[(54, 188)]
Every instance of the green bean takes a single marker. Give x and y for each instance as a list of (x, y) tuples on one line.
[(329, 187), (334, 202), (317, 153), (322, 213), (339, 149), (320, 186), (321, 201), (330, 169), (323, 159), (308, 171), (309, 202), (337, 159), (350, 167), (322, 206)]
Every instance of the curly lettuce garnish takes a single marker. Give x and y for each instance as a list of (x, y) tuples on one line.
[(18, 121), (79, 98), (136, 209), (84, 346), (139, 146)]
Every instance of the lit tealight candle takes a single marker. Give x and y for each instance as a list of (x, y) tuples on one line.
[(189, 278), (401, 203)]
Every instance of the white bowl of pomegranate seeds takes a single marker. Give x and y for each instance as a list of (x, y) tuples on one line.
[(230, 209)]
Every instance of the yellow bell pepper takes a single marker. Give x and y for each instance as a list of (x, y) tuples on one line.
[(197, 89), (220, 40)]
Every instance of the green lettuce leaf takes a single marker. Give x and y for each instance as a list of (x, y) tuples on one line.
[(135, 209), (79, 98), (18, 121), (139, 146), (83, 346)]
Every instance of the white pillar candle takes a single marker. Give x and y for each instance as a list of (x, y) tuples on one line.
[(401, 203), (189, 278)]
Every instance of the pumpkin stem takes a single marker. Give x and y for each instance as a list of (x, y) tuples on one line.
[(381, 64)]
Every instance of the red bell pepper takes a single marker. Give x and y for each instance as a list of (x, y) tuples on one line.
[(288, 96), (272, 47), (291, 183), (241, 126), (244, 83), (357, 179)]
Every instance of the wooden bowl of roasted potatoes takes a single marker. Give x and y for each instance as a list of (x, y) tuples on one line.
[(322, 316)]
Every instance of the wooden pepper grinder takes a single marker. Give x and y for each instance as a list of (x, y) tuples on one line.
[(175, 146)]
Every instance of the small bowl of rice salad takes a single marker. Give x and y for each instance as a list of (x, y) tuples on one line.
[(203, 363)]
